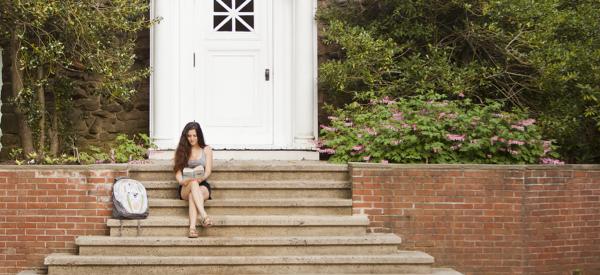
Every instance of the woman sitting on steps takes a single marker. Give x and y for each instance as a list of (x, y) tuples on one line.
[(192, 152)]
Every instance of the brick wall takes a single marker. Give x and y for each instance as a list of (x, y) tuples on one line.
[(43, 209), (484, 219)]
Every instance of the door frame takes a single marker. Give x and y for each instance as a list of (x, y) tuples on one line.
[(165, 124)]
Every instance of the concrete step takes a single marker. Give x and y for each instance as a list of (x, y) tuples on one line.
[(176, 207), (371, 244), (251, 170), (445, 271), (400, 262), (258, 189), (434, 271), (245, 226)]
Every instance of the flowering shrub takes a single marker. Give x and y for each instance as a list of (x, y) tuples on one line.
[(432, 129)]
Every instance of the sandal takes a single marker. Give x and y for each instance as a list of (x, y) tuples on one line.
[(193, 233), (206, 221)]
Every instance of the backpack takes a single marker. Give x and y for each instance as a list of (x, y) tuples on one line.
[(129, 199)]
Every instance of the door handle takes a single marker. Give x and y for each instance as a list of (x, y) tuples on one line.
[(267, 74)]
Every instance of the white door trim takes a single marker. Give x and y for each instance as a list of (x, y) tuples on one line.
[(295, 128)]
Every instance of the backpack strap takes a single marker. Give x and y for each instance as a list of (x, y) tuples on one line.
[(139, 228), (121, 228)]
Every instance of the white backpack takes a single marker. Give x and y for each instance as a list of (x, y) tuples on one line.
[(129, 199)]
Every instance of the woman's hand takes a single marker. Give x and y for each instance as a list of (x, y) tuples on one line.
[(186, 182)]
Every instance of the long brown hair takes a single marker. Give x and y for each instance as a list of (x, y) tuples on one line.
[(184, 148)]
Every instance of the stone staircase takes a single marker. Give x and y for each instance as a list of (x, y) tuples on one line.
[(270, 218)]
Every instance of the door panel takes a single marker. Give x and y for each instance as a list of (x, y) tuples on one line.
[(234, 50)]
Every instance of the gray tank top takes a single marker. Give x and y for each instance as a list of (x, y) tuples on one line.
[(196, 162)]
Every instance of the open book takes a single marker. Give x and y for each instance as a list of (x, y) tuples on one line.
[(193, 173)]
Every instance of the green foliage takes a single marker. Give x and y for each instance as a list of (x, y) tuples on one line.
[(431, 129), (542, 57), (58, 42), (123, 150), (126, 149)]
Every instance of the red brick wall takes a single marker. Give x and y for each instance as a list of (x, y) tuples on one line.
[(483, 219), (42, 210)]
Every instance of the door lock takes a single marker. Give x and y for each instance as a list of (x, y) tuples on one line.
[(267, 74)]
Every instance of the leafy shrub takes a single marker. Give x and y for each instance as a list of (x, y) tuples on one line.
[(126, 149), (122, 150), (540, 56), (432, 129)]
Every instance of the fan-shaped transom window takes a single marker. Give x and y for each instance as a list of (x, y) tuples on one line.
[(233, 15)]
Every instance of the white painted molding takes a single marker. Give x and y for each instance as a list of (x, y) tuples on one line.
[(245, 155), (304, 72)]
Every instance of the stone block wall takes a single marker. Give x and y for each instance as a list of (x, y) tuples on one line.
[(43, 209), (488, 219)]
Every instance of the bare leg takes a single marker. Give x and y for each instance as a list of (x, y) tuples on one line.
[(198, 198), (192, 211)]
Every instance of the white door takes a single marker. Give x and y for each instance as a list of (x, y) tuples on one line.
[(232, 76)]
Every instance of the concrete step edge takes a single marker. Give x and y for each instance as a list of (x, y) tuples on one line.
[(444, 271), (257, 184), (326, 202), (401, 257), (238, 165), (369, 239), (231, 220)]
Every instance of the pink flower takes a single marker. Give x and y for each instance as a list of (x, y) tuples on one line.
[(384, 161), (547, 146), (318, 143), (387, 100), (527, 122), (461, 95), (454, 137), (327, 128), (515, 142), (358, 148), (414, 127), (518, 127), (367, 158), (328, 151), (441, 115), (551, 161), (371, 131), (398, 116)]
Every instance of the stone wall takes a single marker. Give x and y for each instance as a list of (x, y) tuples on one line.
[(488, 219), (95, 120)]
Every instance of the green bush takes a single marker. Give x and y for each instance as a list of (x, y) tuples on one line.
[(122, 150), (542, 57), (126, 149), (433, 129)]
